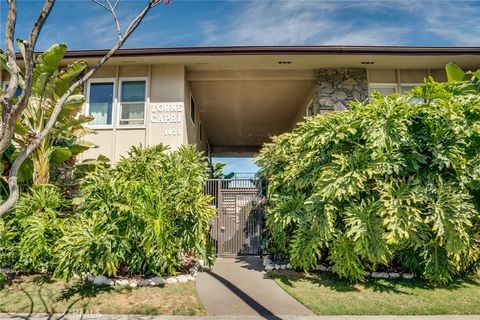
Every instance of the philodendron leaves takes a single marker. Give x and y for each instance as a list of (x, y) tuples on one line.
[(393, 182)]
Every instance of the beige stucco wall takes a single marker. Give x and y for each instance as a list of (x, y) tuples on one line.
[(302, 108), (165, 84), (404, 75)]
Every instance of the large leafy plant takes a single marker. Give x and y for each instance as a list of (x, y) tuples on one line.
[(391, 183), (50, 82), (142, 216), (29, 234)]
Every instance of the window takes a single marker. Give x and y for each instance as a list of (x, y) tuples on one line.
[(132, 103), (192, 109), (100, 102), (384, 88), (310, 110), (18, 92)]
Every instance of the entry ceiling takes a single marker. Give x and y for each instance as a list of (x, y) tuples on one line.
[(246, 113)]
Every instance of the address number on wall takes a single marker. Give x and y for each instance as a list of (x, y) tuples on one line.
[(173, 132)]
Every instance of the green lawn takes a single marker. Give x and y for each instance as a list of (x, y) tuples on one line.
[(326, 294), (39, 294)]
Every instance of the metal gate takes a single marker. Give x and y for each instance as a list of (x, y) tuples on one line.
[(237, 228)]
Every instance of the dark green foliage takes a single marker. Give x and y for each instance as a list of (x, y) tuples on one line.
[(28, 234), (393, 182), (141, 216)]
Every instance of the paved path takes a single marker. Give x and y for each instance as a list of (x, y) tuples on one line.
[(239, 286), (18, 316)]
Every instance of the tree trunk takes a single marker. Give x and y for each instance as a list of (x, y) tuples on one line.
[(41, 166)]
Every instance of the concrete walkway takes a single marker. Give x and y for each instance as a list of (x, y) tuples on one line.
[(239, 287), (18, 316)]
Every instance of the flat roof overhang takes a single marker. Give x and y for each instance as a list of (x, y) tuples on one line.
[(301, 57), (280, 50)]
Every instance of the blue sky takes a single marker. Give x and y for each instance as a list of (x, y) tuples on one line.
[(237, 164), (83, 25)]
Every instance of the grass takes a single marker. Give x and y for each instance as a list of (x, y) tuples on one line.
[(36, 294), (326, 294)]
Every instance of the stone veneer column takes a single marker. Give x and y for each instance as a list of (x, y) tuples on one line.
[(336, 88)]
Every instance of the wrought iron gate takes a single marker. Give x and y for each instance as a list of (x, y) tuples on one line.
[(237, 228)]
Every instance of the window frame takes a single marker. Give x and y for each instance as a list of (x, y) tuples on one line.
[(382, 85), (119, 102), (192, 116), (87, 101)]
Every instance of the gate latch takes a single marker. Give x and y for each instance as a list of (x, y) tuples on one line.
[(222, 228)]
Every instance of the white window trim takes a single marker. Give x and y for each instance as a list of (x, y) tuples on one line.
[(87, 101), (126, 126), (382, 85), (192, 116)]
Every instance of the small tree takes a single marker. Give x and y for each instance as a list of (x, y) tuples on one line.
[(12, 106)]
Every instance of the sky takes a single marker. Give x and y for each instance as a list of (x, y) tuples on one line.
[(239, 165), (84, 25)]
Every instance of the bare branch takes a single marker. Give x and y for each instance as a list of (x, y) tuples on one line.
[(7, 96), (111, 8), (10, 113), (115, 5), (114, 15), (12, 182), (8, 122), (101, 4)]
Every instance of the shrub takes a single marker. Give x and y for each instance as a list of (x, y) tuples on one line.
[(393, 182), (28, 234), (141, 216)]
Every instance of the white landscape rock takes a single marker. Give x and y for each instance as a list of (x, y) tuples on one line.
[(322, 268), (101, 281), (182, 278), (277, 266), (193, 271), (269, 267), (133, 284), (408, 275), (157, 281), (199, 264), (283, 266), (266, 261), (171, 280), (394, 275), (380, 275), (289, 266), (122, 282), (144, 283), (190, 277)]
